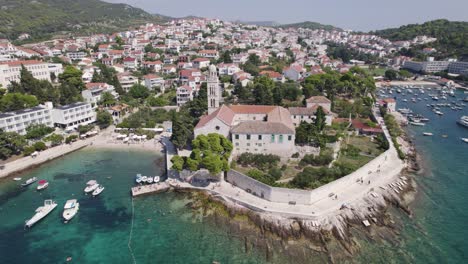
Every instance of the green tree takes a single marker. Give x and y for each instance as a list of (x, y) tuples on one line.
[(139, 91), (320, 119), (391, 74), (38, 131), (103, 119), (107, 99), (11, 144), (263, 90), (177, 163), (17, 101), (72, 76), (192, 164), (39, 146), (55, 139)]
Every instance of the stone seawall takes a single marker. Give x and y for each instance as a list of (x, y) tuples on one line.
[(272, 194)]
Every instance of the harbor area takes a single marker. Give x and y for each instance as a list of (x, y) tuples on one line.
[(151, 188)]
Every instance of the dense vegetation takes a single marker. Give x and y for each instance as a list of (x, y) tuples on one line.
[(341, 51), (452, 37), (260, 161), (310, 25), (42, 18), (209, 152)]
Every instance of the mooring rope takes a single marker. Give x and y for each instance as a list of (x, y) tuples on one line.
[(131, 233)]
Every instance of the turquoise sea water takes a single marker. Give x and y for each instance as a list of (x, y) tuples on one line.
[(164, 230), (438, 231)]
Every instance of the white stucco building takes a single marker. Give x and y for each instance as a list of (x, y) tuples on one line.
[(260, 129), (18, 121), (11, 71), (73, 115)]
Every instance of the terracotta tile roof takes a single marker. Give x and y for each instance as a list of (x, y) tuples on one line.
[(224, 113), (251, 109), (24, 62), (260, 127), (319, 100)]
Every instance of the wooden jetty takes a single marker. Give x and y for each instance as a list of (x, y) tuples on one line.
[(150, 188)]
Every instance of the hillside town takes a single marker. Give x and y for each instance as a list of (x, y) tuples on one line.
[(257, 86)]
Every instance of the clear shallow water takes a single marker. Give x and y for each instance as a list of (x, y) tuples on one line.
[(438, 232), (164, 230)]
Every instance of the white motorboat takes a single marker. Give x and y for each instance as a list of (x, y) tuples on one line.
[(427, 134), (91, 186), (42, 184), (417, 124), (41, 212), (70, 209), (138, 178), (149, 180), (17, 179), (439, 112), (463, 121), (156, 179), (29, 181), (144, 179), (98, 190), (465, 140)]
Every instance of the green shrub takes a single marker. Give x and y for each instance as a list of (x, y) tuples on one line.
[(260, 161), (39, 146)]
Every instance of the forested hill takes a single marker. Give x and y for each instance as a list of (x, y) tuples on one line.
[(43, 18), (310, 25), (452, 37)]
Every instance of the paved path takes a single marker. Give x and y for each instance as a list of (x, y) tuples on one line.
[(322, 204), (43, 156)]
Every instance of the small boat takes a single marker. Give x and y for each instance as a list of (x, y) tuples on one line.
[(98, 190), (417, 124), (70, 209), (156, 179), (439, 112), (144, 179), (29, 181), (91, 186), (138, 178), (427, 134), (149, 180), (17, 179), (42, 184), (41, 212), (445, 136), (465, 140), (463, 121)]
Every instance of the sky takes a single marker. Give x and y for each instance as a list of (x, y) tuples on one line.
[(363, 15)]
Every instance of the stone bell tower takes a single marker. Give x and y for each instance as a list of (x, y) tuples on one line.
[(213, 91)]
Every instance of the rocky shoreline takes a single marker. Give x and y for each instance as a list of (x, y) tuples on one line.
[(334, 238)]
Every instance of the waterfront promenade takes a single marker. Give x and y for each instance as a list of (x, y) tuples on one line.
[(42, 157), (349, 190)]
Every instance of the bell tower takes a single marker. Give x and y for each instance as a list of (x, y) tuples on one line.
[(213, 91)]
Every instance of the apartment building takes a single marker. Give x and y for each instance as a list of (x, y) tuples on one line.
[(18, 121), (73, 115), (11, 71)]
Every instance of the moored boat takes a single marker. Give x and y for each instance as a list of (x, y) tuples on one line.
[(41, 212), (417, 124), (465, 140), (98, 190), (156, 179), (427, 134), (91, 186), (42, 184), (29, 181), (463, 121), (17, 179), (70, 209)]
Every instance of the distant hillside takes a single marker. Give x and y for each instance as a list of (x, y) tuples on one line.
[(310, 25), (43, 18), (452, 37)]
